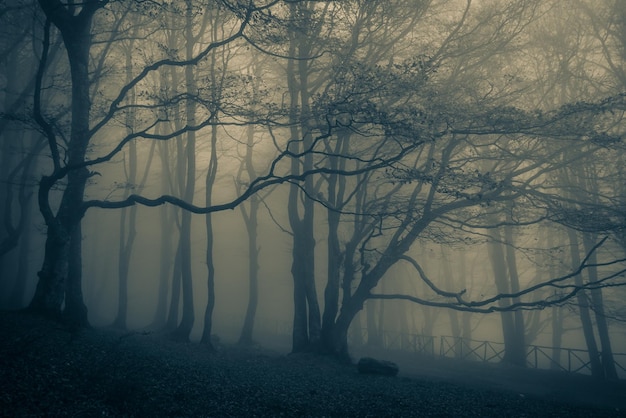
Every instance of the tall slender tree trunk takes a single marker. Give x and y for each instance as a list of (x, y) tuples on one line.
[(518, 354), (455, 326), (23, 228), (123, 266), (556, 311), (168, 216), (308, 218), (307, 321), (251, 222), (513, 354), (218, 65), (165, 267), (210, 181), (608, 361), (336, 191), (331, 292), (128, 230), (466, 317), (188, 318), (173, 312), (374, 331), (583, 309), (171, 183)]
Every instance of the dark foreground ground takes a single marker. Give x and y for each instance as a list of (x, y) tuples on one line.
[(49, 370)]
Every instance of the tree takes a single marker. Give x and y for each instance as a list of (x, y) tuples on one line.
[(447, 181), (397, 126), (60, 276), (62, 255)]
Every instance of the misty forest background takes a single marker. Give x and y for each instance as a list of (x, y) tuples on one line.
[(426, 167)]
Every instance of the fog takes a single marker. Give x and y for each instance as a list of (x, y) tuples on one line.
[(417, 177)]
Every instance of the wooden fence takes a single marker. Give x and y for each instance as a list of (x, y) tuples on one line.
[(571, 360)]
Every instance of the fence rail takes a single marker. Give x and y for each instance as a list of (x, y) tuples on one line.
[(572, 360)]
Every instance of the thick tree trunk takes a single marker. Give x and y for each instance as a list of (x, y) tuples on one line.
[(50, 290), (75, 310), (63, 239), (339, 343)]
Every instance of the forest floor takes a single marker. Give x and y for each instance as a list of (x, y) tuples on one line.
[(47, 369)]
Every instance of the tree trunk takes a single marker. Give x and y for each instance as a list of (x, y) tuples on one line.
[(63, 236), (300, 335), (307, 321), (556, 312), (336, 190), (75, 310), (374, 331), (331, 291), (340, 331), (583, 308), (18, 292), (168, 216), (466, 317), (449, 281), (210, 181), (246, 337), (128, 217), (608, 362), (188, 318), (518, 356), (513, 347), (251, 221), (188, 314), (49, 293), (165, 268), (172, 317), (122, 273), (26, 219)]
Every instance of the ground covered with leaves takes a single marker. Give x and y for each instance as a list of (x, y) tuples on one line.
[(48, 369)]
